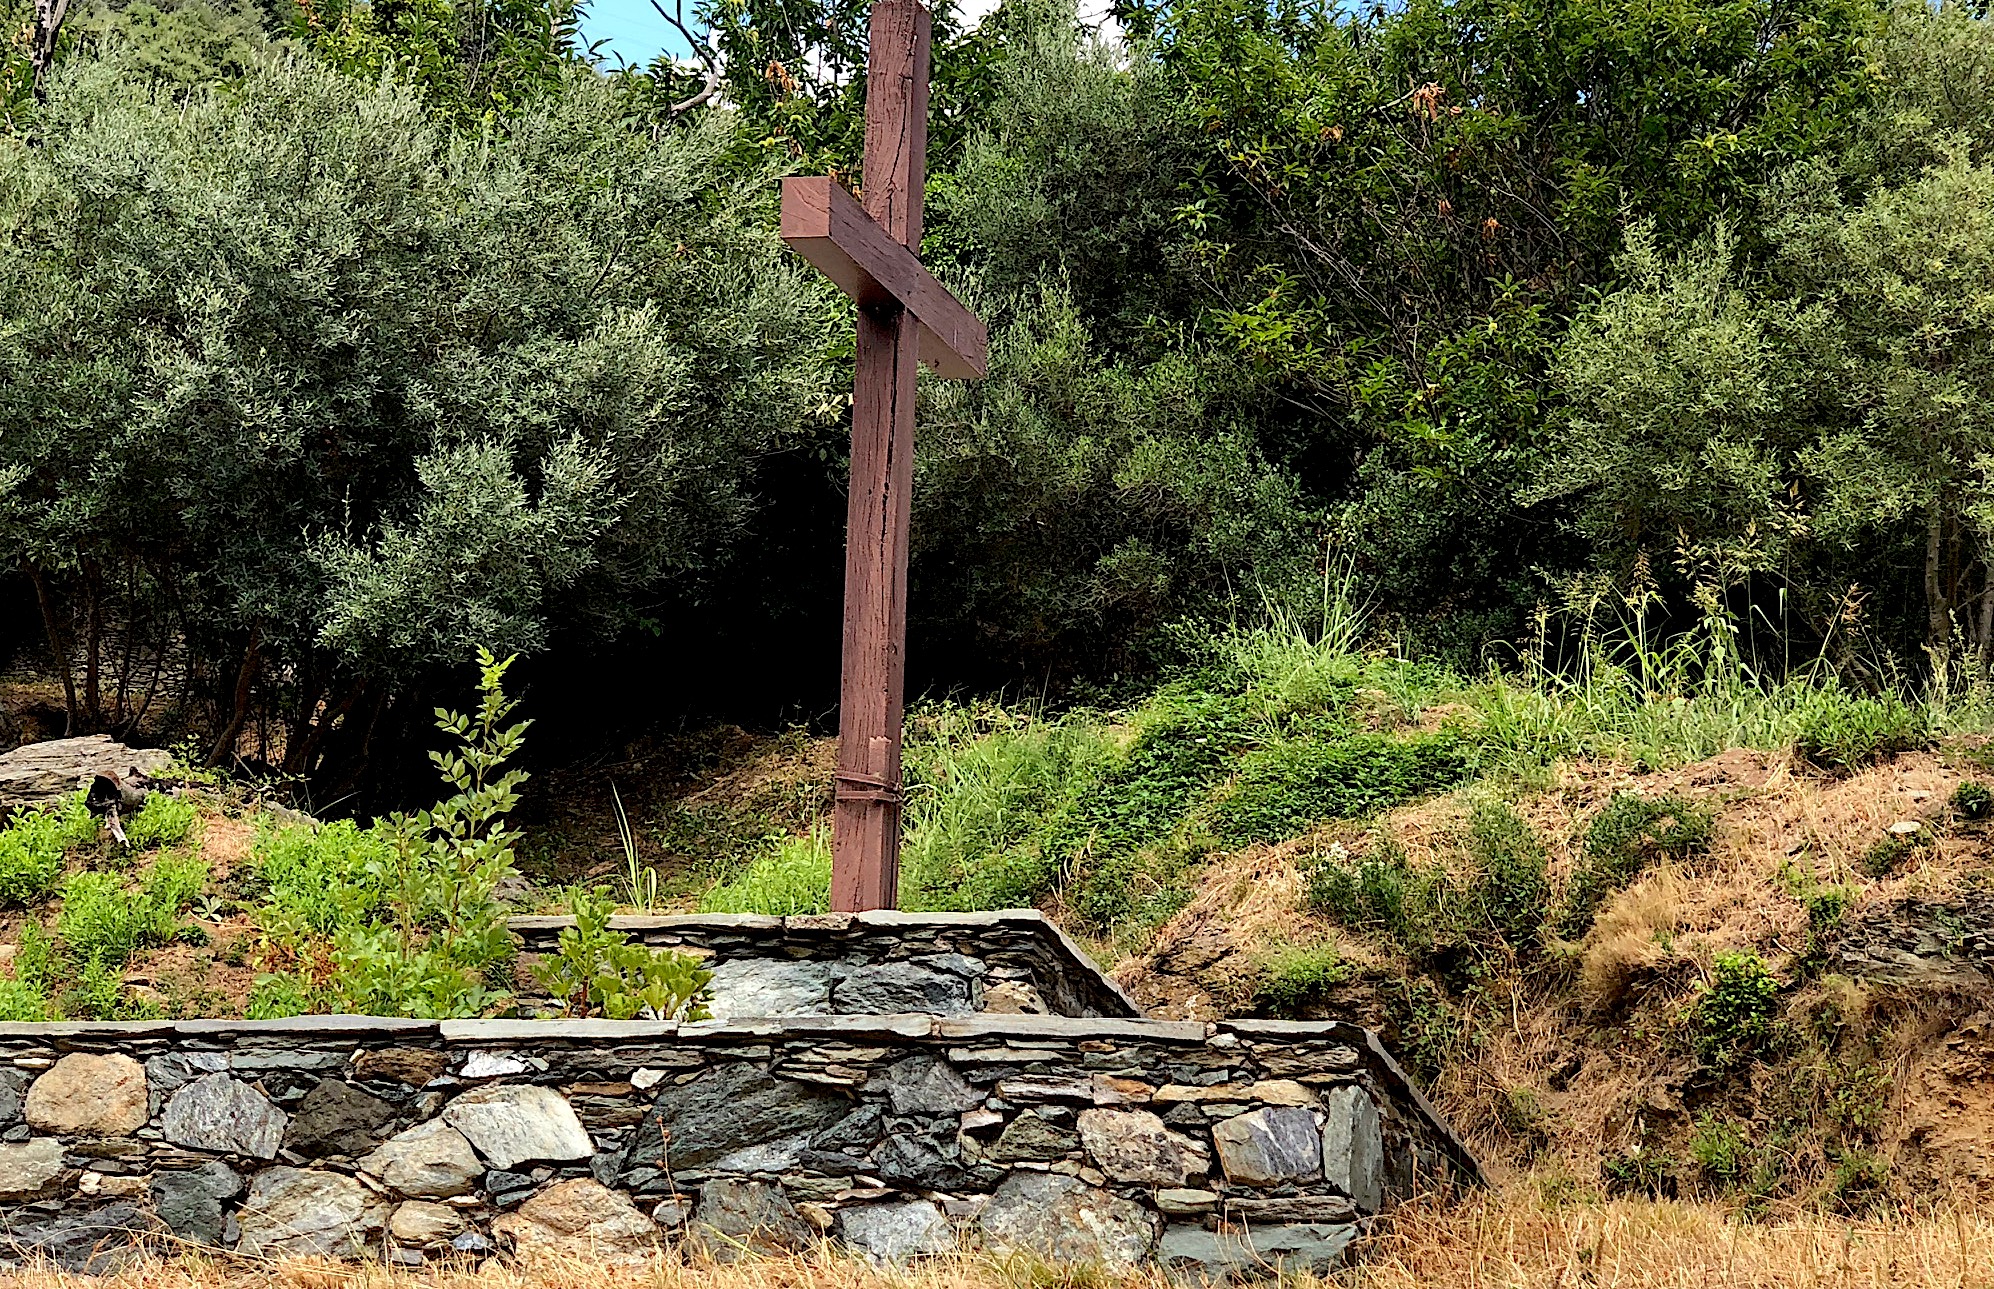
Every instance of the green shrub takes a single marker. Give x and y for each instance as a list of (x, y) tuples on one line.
[(1733, 1017), (23, 1001), (1972, 800), (1382, 890), (793, 878), (1287, 788), (162, 821), (1626, 836), (597, 971), (277, 995), (1841, 732), (34, 956), (33, 845), (1859, 1184), (326, 877), (1512, 888), (1298, 978), (102, 921)]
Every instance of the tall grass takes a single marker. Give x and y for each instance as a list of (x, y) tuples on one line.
[(1286, 722)]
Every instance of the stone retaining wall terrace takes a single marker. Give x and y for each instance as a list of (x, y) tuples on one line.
[(1215, 1148), (878, 963)]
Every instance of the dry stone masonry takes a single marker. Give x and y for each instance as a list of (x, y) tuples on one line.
[(1221, 1150)]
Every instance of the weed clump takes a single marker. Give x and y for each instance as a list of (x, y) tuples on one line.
[(1732, 1020), (1893, 852), (1629, 834), (1972, 800), (162, 821), (33, 846), (1298, 978), (597, 971), (1512, 887), (1840, 732)]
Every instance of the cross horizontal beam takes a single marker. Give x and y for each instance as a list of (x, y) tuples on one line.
[(826, 225)]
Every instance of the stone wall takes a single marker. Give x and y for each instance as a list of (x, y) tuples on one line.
[(1216, 1148), (877, 963)]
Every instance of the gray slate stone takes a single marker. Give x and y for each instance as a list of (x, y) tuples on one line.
[(858, 1130), (1191, 1253), (891, 987), (1028, 1137), (335, 1119), (165, 1075), (728, 1108), (1270, 1147), (95, 1242), (738, 1219), (895, 1232), (12, 1085), (516, 1123), (299, 1212), (215, 1112), (1353, 1147), (928, 1085), (745, 987), (917, 1162), (1062, 1219), (189, 1200)]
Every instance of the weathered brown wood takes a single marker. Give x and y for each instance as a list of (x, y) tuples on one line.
[(865, 868), (896, 118), (905, 317), (826, 225)]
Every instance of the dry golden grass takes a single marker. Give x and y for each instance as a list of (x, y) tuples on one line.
[(1505, 1240)]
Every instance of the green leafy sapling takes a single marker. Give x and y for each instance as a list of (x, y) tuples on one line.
[(597, 971)]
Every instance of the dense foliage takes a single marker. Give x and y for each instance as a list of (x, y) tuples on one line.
[(338, 339)]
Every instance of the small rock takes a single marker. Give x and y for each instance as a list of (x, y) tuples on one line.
[(335, 1119), (189, 1201), (739, 1218), (215, 1112), (1134, 1146), (644, 1080), (917, 1162), (672, 1212), (421, 1222), (895, 1233), (1013, 998), (167, 1074), (12, 1085), (299, 1212), (429, 1161), (493, 1065), (512, 1124), (413, 1066), (88, 1094), (1063, 1220), (928, 1085), (1183, 1201), (1906, 827), (1109, 1090), (1047, 1087), (30, 1168), (1270, 1147), (1030, 1137)]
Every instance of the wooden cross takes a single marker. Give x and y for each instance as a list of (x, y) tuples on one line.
[(872, 251)]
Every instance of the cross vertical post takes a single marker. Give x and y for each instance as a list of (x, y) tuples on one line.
[(904, 317)]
